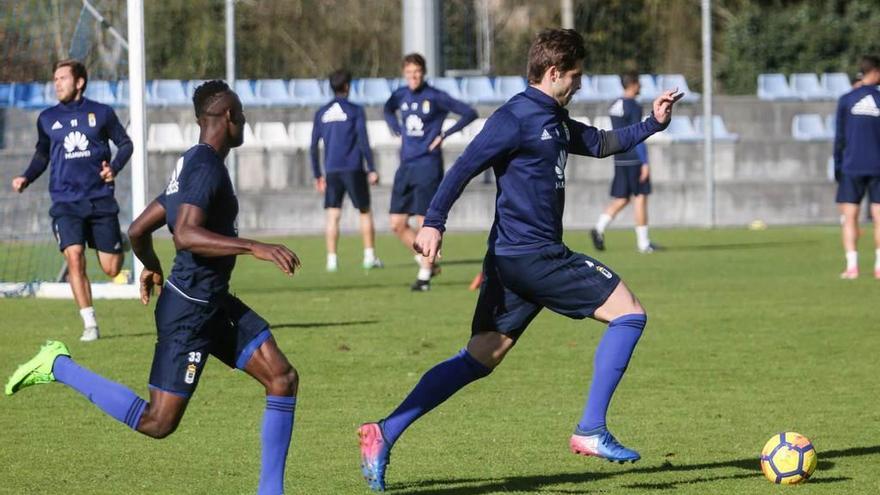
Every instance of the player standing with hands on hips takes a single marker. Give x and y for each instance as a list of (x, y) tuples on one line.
[(73, 137), (527, 267)]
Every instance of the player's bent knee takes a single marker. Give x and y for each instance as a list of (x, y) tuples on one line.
[(285, 383), (159, 427)]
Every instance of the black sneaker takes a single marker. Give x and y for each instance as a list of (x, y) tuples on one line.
[(421, 286), (598, 240)]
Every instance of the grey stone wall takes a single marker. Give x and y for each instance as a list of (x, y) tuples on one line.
[(766, 175)]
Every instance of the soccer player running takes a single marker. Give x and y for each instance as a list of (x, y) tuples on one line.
[(632, 176), (342, 126), (73, 136), (195, 313), (527, 267), (422, 111), (857, 162)]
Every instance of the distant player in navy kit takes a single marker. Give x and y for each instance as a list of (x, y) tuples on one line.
[(857, 162), (342, 126), (195, 313), (422, 111), (73, 136), (527, 267), (632, 176)]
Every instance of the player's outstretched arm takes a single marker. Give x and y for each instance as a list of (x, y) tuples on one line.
[(589, 141), (140, 234), (191, 235)]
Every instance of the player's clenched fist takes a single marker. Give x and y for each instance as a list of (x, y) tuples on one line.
[(286, 260), (19, 184)]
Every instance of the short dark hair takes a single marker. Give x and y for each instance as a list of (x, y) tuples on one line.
[(562, 48), (869, 63), (207, 93), (629, 78), (339, 79), (76, 68), (414, 58)]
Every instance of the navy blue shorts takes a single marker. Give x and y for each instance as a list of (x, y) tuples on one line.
[(89, 221), (851, 189), (414, 187), (626, 182), (354, 183), (516, 288), (189, 330)]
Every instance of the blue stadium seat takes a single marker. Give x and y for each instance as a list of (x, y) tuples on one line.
[(831, 125), (167, 92), (30, 95), (809, 127), (447, 84), (372, 91), (478, 89), (244, 88), (807, 87), (165, 137), (607, 86), (681, 130), (587, 93), (836, 84), (273, 92), (670, 81), (507, 86), (122, 92), (649, 90), (774, 87), (49, 94), (398, 82), (719, 130), (101, 91), (6, 93), (308, 92)]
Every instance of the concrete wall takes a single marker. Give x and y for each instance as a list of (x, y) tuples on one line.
[(765, 175)]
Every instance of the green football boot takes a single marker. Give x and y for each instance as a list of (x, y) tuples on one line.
[(39, 369)]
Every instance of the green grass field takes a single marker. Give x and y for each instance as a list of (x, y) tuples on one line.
[(750, 333)]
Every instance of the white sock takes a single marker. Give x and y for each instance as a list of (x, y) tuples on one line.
[(369, 255), (88, 316), (418, 259), (852, 260), (877, 259), (642, 237), (331, 259), (602, 223), (424, 274)]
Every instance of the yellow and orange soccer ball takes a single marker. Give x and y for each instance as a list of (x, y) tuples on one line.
[(788, 458)]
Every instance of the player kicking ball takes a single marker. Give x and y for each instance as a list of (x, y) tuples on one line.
[(196, 316), (527, 267)]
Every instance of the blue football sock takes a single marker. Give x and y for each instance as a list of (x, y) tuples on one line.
[(437, 385), (112, 398), (277, 428), (612, 358)]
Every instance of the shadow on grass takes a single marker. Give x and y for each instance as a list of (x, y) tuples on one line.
[(322, 324), (128, 335), (734, 246), (534, 483)]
